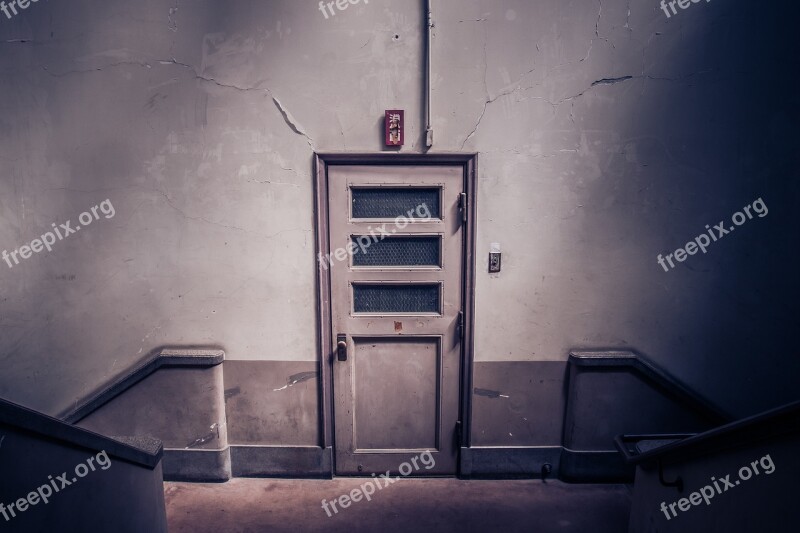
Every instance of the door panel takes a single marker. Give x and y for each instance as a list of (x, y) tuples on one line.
[(399, 409), (396, 304)]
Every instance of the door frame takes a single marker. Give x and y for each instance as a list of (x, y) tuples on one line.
[(469, 164)]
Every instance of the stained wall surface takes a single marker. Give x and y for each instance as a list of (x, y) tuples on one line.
[(607, 134)]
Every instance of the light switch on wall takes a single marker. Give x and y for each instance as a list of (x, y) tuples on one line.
[(495, 258)]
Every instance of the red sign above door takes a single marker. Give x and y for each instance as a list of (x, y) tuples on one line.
[(394, 127)]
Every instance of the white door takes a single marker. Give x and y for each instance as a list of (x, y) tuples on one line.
[(396, 308)]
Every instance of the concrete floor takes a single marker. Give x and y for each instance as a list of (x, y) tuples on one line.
[(273, 505)]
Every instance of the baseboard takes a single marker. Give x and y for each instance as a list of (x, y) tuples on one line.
[(475, 463), (602, 466), (498, 462), (197, 465), (247, 461), (281, 461), (509, 462)]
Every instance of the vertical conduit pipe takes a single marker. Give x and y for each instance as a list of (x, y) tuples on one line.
[(428, 43)]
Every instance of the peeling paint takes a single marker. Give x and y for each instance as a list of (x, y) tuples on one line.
[(294, 379), (291, 122), (172, 24), (211, 435), (611, 81), (489, 393), (230, 393)]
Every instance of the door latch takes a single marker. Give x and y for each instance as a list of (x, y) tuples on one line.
[(341, 347), (462, 205)]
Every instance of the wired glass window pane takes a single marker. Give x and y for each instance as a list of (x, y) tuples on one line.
[(404, 298), (393, 202), (396, 251)]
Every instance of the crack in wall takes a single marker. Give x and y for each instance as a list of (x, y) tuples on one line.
[(219, 224), (285, 114), (556, 104), (486, 90), (611, 81), (291, 122)]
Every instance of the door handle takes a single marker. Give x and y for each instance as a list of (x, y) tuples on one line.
[(341, 347)]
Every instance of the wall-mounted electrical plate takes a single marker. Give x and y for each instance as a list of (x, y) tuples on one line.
[(495, 258)]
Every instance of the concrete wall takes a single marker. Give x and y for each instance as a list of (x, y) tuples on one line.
[(56, 477), (240, 418), (607, 134), (183, 407), (760, 468), (614, 401)]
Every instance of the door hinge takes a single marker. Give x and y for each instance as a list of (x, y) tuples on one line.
[(462, 205), (461, 326), (458, 433)]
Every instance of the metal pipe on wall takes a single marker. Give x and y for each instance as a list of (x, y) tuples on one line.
[(429, 40)]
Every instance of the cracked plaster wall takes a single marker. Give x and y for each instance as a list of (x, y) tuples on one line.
[(607, 134)]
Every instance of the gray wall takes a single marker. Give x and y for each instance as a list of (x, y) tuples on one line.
[(607, 134), (113, 494), (241, 418), (183, 407), (760, 500)]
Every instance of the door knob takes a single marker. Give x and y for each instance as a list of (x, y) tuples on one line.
[(341, 347)]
